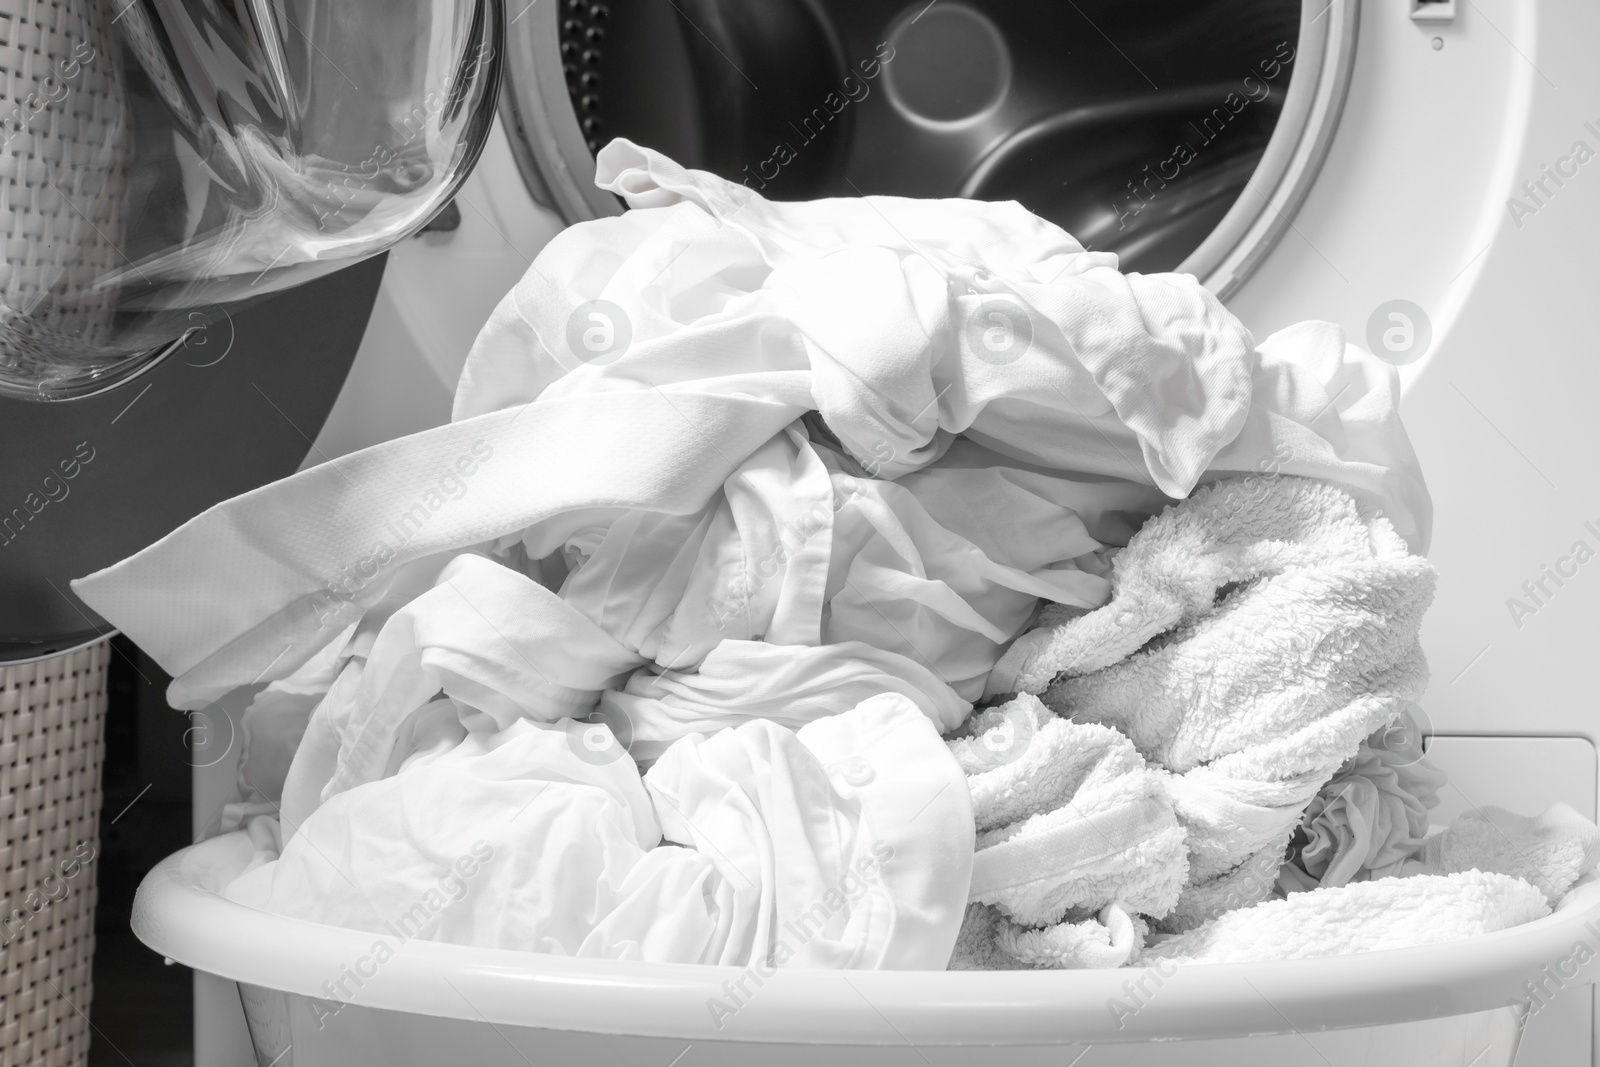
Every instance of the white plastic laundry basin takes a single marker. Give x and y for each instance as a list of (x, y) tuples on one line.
[(431, 1003)]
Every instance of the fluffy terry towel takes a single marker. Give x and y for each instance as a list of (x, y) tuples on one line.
[(1551, 851), (1071, 821), (988, 941), (1360, 917), (1257, 632)]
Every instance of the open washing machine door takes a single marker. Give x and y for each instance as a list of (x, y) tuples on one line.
[(196, 193), (1182, 137), (171, 161)]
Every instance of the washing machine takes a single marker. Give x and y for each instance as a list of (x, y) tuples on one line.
[(1413, 170)]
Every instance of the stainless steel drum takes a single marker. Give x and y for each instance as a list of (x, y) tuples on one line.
[(1180, 134)]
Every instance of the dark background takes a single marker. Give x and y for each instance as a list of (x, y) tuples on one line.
[(143, 1009)]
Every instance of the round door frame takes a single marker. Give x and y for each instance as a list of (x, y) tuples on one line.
[(1325, 58), (543, 128)]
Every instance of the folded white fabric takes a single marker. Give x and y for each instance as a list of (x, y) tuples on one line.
[(845, 844), (1070, 822), (740, 317), (1359, 917), (1551, 850), (1258, 632)]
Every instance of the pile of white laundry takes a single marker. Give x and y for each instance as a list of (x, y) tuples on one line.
[(667, 647)]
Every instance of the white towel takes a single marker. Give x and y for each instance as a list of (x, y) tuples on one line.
[(1070, 822), (989, 942), (1073, 820), (1258, 632), (1359, 917), (1551, 850)]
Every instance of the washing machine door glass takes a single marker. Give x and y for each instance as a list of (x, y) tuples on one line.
[(1180, 134), (168, 160)]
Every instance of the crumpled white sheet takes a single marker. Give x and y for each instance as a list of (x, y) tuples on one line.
[(786, 684), (498, 644), (845, 844), (505, 647), (796, 551)]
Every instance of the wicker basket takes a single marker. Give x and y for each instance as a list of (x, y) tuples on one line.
[(52, 715)]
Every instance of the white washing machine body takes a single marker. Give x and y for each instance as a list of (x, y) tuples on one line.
[(1461, 176)]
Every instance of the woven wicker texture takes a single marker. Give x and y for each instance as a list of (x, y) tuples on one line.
[(51, 745), (63, 119)]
